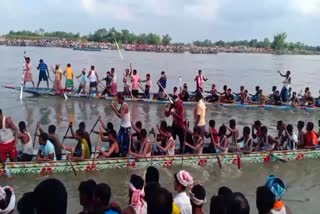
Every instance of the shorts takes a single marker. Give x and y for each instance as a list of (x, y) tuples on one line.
[(93, 84), (8, 148), (135, 93), (43, 77), (69, 83), (23, 157)]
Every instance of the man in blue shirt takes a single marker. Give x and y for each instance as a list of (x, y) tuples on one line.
[(43, 71)]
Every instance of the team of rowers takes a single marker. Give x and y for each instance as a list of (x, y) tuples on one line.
[(133, 139), (132, 83)]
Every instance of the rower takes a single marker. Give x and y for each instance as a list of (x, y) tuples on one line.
[(200, 79), (301, 134), (200, 114), (184, 93), (286, 84), (234, 134), (57, 86), (256, 136), (114, 84), (256, 96), (162, 85), (309, 99), (267, 143), (43, 71), (28, 72), (277, 100), (246, 142), (271, 96), (239, 96), (82, 81), (136, 143), (54, 139), (135, 83), (26, 154), (125, 124), (46, 150), (126, 83), (262, 99), (8, 138), (215, 136), (178, 126), (162, 137), (291, 139), (224, 93), (169, 148), (246, 98), (214, 94), (198, 141), (68, 73), (113, 150), (294, 100), (107, 89), (175, 92), (223, 145), (145, 149), (281, 132), (148, 85), (94, 79), (311, 137), (81, 151), (228, 98)]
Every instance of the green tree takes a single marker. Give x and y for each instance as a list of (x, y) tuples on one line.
[(166, 39), (266, 43), (279, 41)]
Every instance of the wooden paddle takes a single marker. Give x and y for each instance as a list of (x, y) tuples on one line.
[(164, 90), (95, 124), (95, 150), (69, 161), (238, 152), (22, 78), (35, 134), (216, 153), (184, 139)]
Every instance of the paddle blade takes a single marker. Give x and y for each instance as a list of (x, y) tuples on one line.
[(238, 161), (65, 95), (219, 162)]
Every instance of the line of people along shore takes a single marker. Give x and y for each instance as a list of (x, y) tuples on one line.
[(135, 140), (132, 83), (146, 196)]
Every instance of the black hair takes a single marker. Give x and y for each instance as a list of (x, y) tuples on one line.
[(199, 193), (163, 124), (109, 126), (52, 129), (22, 125), (300, 124), (246, 130), (0, 111), (309, 126), (175, 88), (225, 87), (139, 124), (169, 129), (274, 88), (240, 204), (143, 132), (289, 128), (103, 192), (265, 200), (50, 197), (137, 181), (68, 65), (217, 205), (222, 130), (152, 175), (120, 96), (257, 123), (44, 136), (257, 88), (92, 67), (80, 132), (82, 125), (279, 123), (197, 130), (161, 203), (212, 123), (113, 134), (87, 187), (232, 123), (25, 204), (264, 129)]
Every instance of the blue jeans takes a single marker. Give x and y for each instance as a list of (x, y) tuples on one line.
[(284, 94), (124, 139)]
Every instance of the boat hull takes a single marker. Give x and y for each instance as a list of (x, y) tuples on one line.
[(205, 160), (50, 92)]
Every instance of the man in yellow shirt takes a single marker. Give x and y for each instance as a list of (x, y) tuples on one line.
[(68, 73)]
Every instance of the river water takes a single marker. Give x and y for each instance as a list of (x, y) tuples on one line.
[(301, 177)]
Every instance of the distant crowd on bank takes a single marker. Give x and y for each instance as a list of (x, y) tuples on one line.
[(146, 196)]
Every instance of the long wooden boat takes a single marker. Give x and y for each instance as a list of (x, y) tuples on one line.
[(86, 49), (209, 160), (50, 92)]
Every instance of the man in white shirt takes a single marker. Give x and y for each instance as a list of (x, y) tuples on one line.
[(183, 179)]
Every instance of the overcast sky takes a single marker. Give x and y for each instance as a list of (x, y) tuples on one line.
[(184, 20)]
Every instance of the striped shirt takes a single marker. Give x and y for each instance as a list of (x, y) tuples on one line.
[(43, 67)]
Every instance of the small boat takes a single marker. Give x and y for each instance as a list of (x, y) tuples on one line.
[(236, 105), (87, 49), (209, 160)]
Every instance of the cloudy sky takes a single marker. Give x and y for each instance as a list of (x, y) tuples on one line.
[(184, 20)]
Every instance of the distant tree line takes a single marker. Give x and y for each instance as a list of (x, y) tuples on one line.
[(126, 37)]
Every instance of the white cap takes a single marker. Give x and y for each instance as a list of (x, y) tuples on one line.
[(184, 178)]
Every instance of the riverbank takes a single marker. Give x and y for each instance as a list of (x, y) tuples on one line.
[(174, 48)]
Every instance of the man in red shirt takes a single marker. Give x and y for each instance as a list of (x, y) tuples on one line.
[(311, 137), (177, 111)]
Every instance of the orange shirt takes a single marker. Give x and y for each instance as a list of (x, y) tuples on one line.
[(311, 138)]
